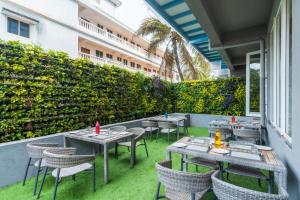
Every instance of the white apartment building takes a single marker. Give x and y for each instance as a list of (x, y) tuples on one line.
[(81, 28)]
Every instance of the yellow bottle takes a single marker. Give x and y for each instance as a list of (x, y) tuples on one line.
[(218, 142)]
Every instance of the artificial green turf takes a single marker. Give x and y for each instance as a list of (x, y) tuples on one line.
[(125, 183)]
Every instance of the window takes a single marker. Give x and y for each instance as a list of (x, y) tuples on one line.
[(132, 64), (125, 62), (280, 69), (109, 56), (132, 42), (149, 70), (154, 70), (125, 38), (253, 84), (119, 59), (99, 54), (119, 36), (85, 50), (138, 66), (18, 27), (145, 69)]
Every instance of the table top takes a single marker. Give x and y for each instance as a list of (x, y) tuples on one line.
[(105, 136), (269, 159), (168, 119), (226, 123)]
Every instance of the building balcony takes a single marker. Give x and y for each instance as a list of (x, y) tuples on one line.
[(115, 40), (107, 61)]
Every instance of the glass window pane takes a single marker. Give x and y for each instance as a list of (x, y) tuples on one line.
[(24, 29), (12, 26), (254, 91)]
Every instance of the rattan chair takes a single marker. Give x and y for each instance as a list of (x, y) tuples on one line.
[(248, 135), (150, 126), (181, 185), (183, 124), (227, 191), (118, 128), (66, 163), (35, 151), (167, 128), (139, 135)]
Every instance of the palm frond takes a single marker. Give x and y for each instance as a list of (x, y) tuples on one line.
[(186, 58)]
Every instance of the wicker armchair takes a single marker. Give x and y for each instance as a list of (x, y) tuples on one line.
[(139, 135), (227, 191), (167, 127), (181, 185), (118, 128), (150, 126), (35, 151), (66, 163), (249, 135)]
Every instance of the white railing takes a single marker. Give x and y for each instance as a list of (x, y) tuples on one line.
[(92, 27), (102, 61)]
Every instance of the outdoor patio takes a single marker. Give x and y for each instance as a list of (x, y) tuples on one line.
[(126, 183)]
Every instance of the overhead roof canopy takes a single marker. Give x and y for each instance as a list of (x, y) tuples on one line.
[(218, 23)]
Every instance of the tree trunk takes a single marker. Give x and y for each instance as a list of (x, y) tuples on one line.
[(177, 61)]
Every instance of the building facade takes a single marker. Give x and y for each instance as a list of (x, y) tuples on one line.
[(87, 29)]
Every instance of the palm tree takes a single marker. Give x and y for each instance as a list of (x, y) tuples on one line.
[(176, 51), (202, 69)]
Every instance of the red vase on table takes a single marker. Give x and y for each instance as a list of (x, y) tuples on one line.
[(233, 119)]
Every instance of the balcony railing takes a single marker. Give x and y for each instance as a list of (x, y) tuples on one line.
[(102, 33), (102, 61)]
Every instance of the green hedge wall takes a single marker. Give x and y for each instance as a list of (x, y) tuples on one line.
[(43, 93), (221, 96)]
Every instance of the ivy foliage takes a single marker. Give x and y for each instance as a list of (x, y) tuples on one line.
[(42, 93), (221, 96)]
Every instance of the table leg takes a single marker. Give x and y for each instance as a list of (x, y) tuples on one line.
[(65, 142), (185, 165), (271, 182), (169, 155), (177, 130), (181, 163), (132, 157), (221, 169), (105, 149)]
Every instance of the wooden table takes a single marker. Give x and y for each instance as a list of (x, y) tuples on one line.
[(115, 137), (270, 161), (214, 124), (229, 124), (171, 119)]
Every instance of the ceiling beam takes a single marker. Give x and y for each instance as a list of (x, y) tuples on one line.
[(171, 4), (183, 14), (206, 21)]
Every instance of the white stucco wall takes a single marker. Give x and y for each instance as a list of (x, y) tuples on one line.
[(47, 32)]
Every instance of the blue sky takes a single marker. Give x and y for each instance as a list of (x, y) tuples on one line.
[(132, 12)]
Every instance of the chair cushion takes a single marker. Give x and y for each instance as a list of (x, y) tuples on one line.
[(43, 164), (175, 195), (128, 144), (245, 171), (69, 171), (202, 162), (165, 130), (148, 129)]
